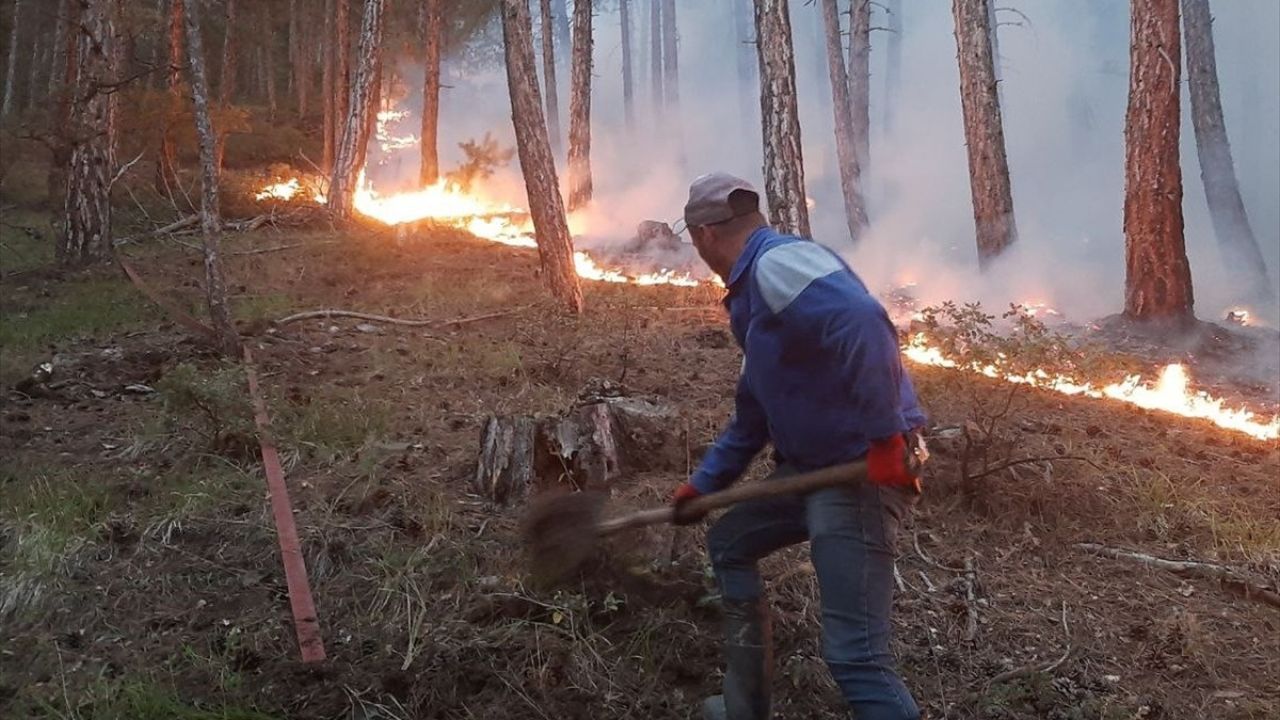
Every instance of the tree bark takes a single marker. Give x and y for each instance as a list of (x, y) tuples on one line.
[(1157, 274), (560, 12), (59, 58), (269, 68), (56, 179), (298, 56), (11, 71), (342, 68), (167, 162), (374, 107), (579, 160), (655, 58), (327, 88), (893, 62), (780, 119), (86, 231), (1239, 247), (38, 61), (555, 245), (670, 57), (342, 185), (855, 211), (210, 226), (993, 27), (227, 77), (984, 132), (433, 36), (628, 91), (860, 81), (549, 86)]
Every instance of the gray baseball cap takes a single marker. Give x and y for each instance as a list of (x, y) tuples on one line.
[(709, 198)]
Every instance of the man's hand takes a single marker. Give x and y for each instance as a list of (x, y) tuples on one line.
[(680, 501), (887, 462)]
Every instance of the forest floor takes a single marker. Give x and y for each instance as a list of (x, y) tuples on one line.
[(140, 575)]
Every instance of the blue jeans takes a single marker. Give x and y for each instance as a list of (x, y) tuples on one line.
[(852, 533)]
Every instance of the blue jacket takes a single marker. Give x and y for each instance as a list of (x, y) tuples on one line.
[(821, 377)]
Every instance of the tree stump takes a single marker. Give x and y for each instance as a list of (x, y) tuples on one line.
[(589, 446)]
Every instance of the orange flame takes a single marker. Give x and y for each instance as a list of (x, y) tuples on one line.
[(1171, 393)]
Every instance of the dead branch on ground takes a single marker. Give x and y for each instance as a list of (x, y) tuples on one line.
[(325, 314), (1229, 578), (1027, 670)]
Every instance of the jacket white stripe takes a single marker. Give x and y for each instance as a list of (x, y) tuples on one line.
[(783, 272)]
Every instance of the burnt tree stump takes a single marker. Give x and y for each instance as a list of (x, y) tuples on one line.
[(589, 446)]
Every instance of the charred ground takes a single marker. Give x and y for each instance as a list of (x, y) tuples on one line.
[(140, 575)]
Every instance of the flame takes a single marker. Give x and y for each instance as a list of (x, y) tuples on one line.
[(473, 211), (388, 141), (1171, 392), (280, 191)]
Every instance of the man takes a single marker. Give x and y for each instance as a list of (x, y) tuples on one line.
[(821, 379)]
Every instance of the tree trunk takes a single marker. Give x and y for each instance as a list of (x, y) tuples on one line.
[(342, 185), (227, 78), (342, 68), (555, 245), (628, 92), (11, 71), (86, 231), (298, 55), (58, 58), (433, 36), (550, 88), (215, 284), (893, 62), (374, 107), (850, 170), (655, 57), (38, 61), (1240, 252), (780, 119), (327, 89), (984, 132), (1157, 274), (56, 179), (579, 161), (560, 11), (167, 162), (269, 67), (670, 57), (860, 81)]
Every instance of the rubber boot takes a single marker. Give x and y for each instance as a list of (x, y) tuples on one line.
[(748, 655)]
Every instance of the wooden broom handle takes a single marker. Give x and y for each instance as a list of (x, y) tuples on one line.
[(793, 484)]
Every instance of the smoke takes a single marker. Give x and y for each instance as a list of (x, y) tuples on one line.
[(1064, 86)]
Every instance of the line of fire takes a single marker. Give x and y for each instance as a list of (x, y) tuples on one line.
[(719, 359)]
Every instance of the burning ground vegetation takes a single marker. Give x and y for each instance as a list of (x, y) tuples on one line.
[(140, 576)]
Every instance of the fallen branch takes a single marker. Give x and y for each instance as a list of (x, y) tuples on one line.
[(325, 314), (1228, 577), (971, 599), (1027, 670), (1025, 461)]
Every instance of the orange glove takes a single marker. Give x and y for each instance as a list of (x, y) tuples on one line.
[(887, 462), (679, 501)]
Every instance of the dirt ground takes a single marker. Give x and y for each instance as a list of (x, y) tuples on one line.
[(140, 575)]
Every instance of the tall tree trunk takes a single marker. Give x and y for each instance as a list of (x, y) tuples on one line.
[(893, 62), (860, 80), (342, 185), (855, 211), (984, 132), (546, 208), (269, 66), (210, 226), (342, 68), (227, 78), (86, 231), (780, 119), (628, 92), (655, 57), (433, 36), (1157, 274), (56, 179), (167, 161), (298, 58), (327, 89), (560, 11), (579, 161), (58, 58), (370, 127), (550, 88), (1240, 252), (38, 61), (670, 57), (11, 71)]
